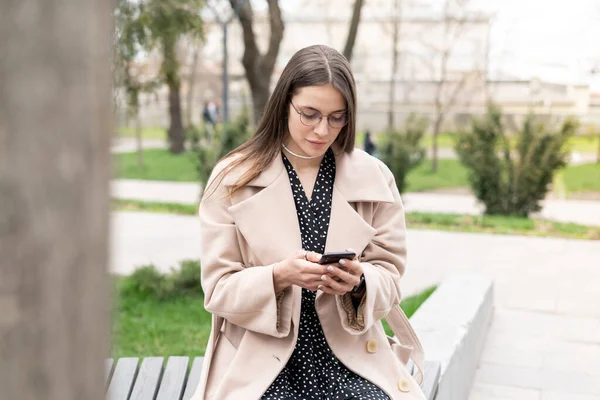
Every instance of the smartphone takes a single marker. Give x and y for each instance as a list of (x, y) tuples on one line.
[(334, 257)]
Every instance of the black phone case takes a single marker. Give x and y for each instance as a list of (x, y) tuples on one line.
[(332, 258)]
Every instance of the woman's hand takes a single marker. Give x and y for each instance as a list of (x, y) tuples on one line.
[(341, 278), (302, 270)]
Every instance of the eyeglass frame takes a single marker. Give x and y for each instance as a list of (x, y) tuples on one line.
[(300, 113)]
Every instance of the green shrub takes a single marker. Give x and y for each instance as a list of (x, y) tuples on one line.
[(512, 182), (194, 134), (225, 139), (148, 282), (402, 151)]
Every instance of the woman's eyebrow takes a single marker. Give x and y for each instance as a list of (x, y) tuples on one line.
[(315, 109)]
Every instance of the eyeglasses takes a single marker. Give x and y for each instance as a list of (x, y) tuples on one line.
[(335, 120)]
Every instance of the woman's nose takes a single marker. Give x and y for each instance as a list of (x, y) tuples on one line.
[(322, 127)]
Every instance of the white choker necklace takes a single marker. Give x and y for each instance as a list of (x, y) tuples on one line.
[(298, 155)]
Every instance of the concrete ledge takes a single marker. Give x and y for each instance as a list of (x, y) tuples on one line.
[(452, 326)]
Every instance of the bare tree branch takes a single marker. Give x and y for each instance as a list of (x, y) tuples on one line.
[(353, 30), (259, 67), (276, 25)]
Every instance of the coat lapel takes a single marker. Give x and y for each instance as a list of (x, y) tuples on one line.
[(358, 178), (347, 229), (268, 219)]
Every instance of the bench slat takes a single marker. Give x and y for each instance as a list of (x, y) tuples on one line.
[(108, 365), (194, 378), (431, 379), (174, 378), (171, 387), (146, 384), (123, 378)]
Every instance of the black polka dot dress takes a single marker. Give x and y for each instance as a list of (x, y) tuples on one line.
[(313, 371)]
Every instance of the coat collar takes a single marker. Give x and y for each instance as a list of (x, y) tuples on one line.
[(268, 222), (358, 176)]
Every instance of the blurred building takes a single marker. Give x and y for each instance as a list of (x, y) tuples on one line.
[(438, 58)]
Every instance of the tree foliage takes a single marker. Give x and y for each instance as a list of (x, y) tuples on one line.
[(225, 139), (513, 180), (402, 150), (145, 26)]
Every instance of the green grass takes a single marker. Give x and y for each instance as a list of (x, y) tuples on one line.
[(582, 178), (176, 326), (159, 165), (496, 224), (414, 220), (450, 174), (584, 144), (147, 133), (145, 326), (445, 140)]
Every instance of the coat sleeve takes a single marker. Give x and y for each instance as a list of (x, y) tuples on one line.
[(383, 262), (243, 295)]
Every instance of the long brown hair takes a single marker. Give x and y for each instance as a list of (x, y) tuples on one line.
[(310, 66)]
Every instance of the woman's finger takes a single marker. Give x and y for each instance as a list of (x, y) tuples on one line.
[(338, 274), (341, 287), (353, 267), (307, 255), (329, 290)]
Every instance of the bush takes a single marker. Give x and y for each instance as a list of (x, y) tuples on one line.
[(512, 181), (194, 134), (208, 151), (403, 151), (147, 281)]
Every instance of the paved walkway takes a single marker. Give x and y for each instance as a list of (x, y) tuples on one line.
[(581, 212), (128, 145), (544, 341)]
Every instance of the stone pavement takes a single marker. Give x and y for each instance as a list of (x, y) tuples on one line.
[(128, 145), (544, 340), (575, 158), (581, 212)]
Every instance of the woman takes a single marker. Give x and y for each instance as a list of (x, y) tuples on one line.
[(285, 326)]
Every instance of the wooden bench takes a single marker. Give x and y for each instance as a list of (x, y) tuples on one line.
[(127, 380)]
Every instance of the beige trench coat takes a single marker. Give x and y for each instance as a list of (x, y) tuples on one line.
[(253, 330)]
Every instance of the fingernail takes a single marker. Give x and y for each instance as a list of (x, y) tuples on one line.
[(323, 278), (342, 262), (318, 256)]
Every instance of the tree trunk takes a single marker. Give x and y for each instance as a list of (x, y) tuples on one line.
[(353, 30), (392, 100), (138, 137), (260, 95), (54, 192), (192, 85), (434, 142), (170, 67), (259, 67)]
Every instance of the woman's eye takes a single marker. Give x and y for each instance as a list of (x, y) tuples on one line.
[(311, 116)]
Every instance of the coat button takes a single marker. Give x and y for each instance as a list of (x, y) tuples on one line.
[(404, 385), (372, 346)]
